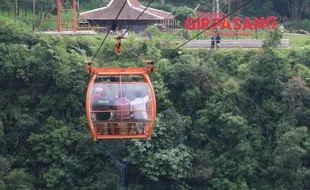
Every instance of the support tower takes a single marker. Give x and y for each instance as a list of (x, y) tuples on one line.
[(66, 11)]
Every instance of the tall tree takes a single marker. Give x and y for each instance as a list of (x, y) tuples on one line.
[(297, 8)]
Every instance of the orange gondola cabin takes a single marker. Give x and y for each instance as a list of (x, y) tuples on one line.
[(120, 103)]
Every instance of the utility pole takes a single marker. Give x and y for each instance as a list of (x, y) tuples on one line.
[(217, 8), (213, 7), (229, 8), (34, 14)]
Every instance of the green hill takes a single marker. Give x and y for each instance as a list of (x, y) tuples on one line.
[(226, 120)]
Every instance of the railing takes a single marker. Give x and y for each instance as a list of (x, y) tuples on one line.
[(121, 128), (285, 43)]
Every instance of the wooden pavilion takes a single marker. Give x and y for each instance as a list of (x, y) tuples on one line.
[(104, 17)]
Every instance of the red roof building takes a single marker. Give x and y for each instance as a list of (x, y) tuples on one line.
[(105, 16)]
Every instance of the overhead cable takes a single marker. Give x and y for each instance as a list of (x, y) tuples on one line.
[(108, 32)]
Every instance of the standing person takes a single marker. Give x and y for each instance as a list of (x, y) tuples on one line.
[(185, 35), (212, 42), (281, 28), (125, 34), (138, 108), (218, 41), (149, 35)]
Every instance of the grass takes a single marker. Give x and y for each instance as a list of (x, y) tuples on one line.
[(49, 24), (298, 40)]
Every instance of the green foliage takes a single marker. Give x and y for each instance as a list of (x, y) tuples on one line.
[(298, 25), (263, 7), (50, 145), (189, 84), (53, 176), (6, 5), (19, 179), (266, 75), (15, 32), (5, 166), (182, 13), (153, 30), (291, 169), (296, 95), (1, 130), (273, 39), (225, 120), (166, 157), (167, 7)]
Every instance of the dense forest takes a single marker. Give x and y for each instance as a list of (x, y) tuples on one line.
[(293, 14), (289, 9), (236, 119)]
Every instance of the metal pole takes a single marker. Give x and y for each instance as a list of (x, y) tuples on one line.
[(59, 15), (213, 7), (217, 8), (74, 16), (229, 8)]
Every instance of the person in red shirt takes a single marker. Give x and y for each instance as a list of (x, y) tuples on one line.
[(123, 112), (96, 95), (123, 106)]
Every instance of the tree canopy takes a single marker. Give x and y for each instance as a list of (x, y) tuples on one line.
[(235, 119)]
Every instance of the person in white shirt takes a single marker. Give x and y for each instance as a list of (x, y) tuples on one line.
[(138, 108), (281, 28)]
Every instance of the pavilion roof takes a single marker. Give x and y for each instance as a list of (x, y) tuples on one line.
[(131, 11)]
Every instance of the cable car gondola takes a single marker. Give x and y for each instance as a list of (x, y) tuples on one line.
[(120, 103)]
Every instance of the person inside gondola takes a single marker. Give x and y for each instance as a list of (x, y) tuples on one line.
[(122, 105), (96, 95), (102, 103), (138, 108), (101, 106)]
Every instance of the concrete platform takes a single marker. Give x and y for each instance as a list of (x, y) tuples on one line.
[(285, 43), (79, 32)]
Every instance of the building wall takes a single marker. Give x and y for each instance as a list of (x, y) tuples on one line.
[(138, 26)]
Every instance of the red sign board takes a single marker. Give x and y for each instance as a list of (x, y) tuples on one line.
[(237, 24)]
